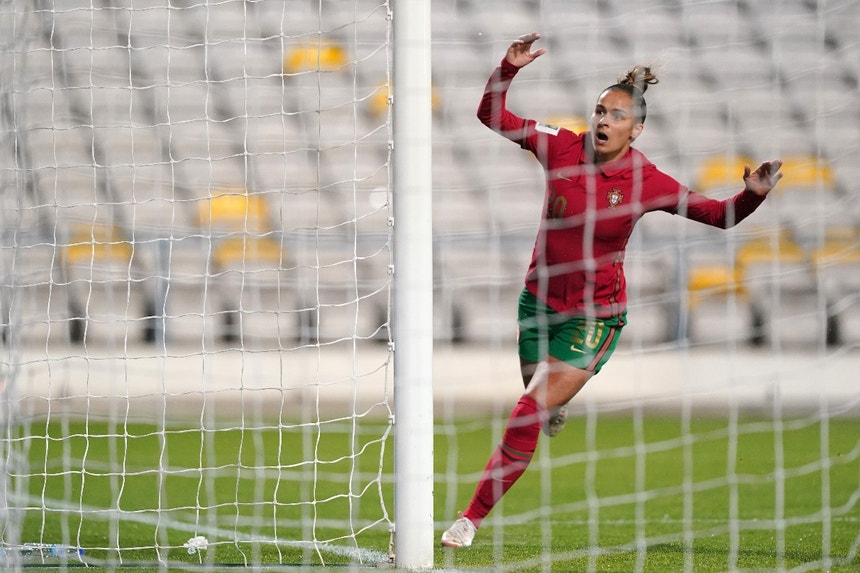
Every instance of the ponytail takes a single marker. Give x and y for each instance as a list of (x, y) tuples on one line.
[(634, 82)]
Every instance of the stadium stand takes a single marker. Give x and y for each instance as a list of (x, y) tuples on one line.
[(292, 115)]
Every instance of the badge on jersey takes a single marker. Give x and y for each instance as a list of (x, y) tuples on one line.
[(546, 128), (615, 197)]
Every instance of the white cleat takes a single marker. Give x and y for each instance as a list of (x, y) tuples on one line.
[(557, 418), (460, 534)]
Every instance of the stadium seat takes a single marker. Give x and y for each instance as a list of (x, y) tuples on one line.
[(36, 300), (807, 197), (109, 290), (450, 19), (477, 291), (651, 30), (837, 268), (377, 103), (777, 274), (248, 279), (247, 253), (720, 172), (652, 295), (339, 292), (808, 172), (701, 129), (504, 23), (315, 56), (233, 210), (713, 23), (756, 114), (93, 246), (459, 62), (256, 292), (718, 306)]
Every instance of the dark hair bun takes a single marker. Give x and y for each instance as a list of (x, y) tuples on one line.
[(639, 77)]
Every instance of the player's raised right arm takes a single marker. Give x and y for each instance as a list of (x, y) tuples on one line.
[(493, 111), (520, 52)]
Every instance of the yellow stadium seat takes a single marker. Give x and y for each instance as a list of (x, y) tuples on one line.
[(782, 288), (713, 280), (837, 268), (836, 253), (781, 249), (377, 103), (247, 251), (808, 172), (89, 244), (315, 56), (721, 171), (575, 123), (234, 211)]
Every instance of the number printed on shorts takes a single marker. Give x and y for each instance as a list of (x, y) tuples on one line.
[(593, 335)]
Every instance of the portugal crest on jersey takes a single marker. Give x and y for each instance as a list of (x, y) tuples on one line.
[(615, 197)]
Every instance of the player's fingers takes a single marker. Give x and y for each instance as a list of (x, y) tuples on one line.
[(747, 171), (539, 52), (528, 38), (769, 171)]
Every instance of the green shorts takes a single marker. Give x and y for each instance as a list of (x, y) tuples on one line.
[(583, 342)]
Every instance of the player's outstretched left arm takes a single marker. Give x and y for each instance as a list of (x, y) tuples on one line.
[(763, 179)]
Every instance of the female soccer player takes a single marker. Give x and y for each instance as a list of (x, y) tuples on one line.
[(573, 306)]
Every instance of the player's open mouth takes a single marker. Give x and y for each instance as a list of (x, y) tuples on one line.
[(602, 137)]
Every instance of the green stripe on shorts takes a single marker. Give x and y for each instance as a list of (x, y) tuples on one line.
[(582, 342)]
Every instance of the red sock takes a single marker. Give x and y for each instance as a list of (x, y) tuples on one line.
[(510, 459)]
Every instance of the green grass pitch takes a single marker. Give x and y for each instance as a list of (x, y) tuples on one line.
[(648, 495)]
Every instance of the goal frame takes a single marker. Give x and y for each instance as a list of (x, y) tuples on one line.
[(413, 285)]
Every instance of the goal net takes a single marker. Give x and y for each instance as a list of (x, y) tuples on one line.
[(196, 252), (198, 273), (711, 439)]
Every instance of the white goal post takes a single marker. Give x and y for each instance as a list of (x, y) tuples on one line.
[(413, 286), (198, 230)]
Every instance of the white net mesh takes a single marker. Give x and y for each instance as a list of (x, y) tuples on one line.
[(196, 254), (734, 377)]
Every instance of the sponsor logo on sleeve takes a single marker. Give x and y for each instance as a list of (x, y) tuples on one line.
[(548, 129)]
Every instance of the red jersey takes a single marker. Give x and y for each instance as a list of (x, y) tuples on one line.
[(577, 265)]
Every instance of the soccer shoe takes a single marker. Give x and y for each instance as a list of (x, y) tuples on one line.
[(557, 418), (460, 534)]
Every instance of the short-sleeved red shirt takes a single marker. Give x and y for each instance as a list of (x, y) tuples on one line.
[(577, 265)]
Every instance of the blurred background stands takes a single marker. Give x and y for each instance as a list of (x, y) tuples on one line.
[(220, 172)]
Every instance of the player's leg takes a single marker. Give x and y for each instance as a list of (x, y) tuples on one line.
[(507, 463), (558, 414), (553, 383), (578, 348), (537, 324), (586, 344)]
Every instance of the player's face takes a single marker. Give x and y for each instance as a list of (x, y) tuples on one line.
[(613, 125)]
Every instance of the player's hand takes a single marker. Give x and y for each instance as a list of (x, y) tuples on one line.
[(764, 178), (520, 52)]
